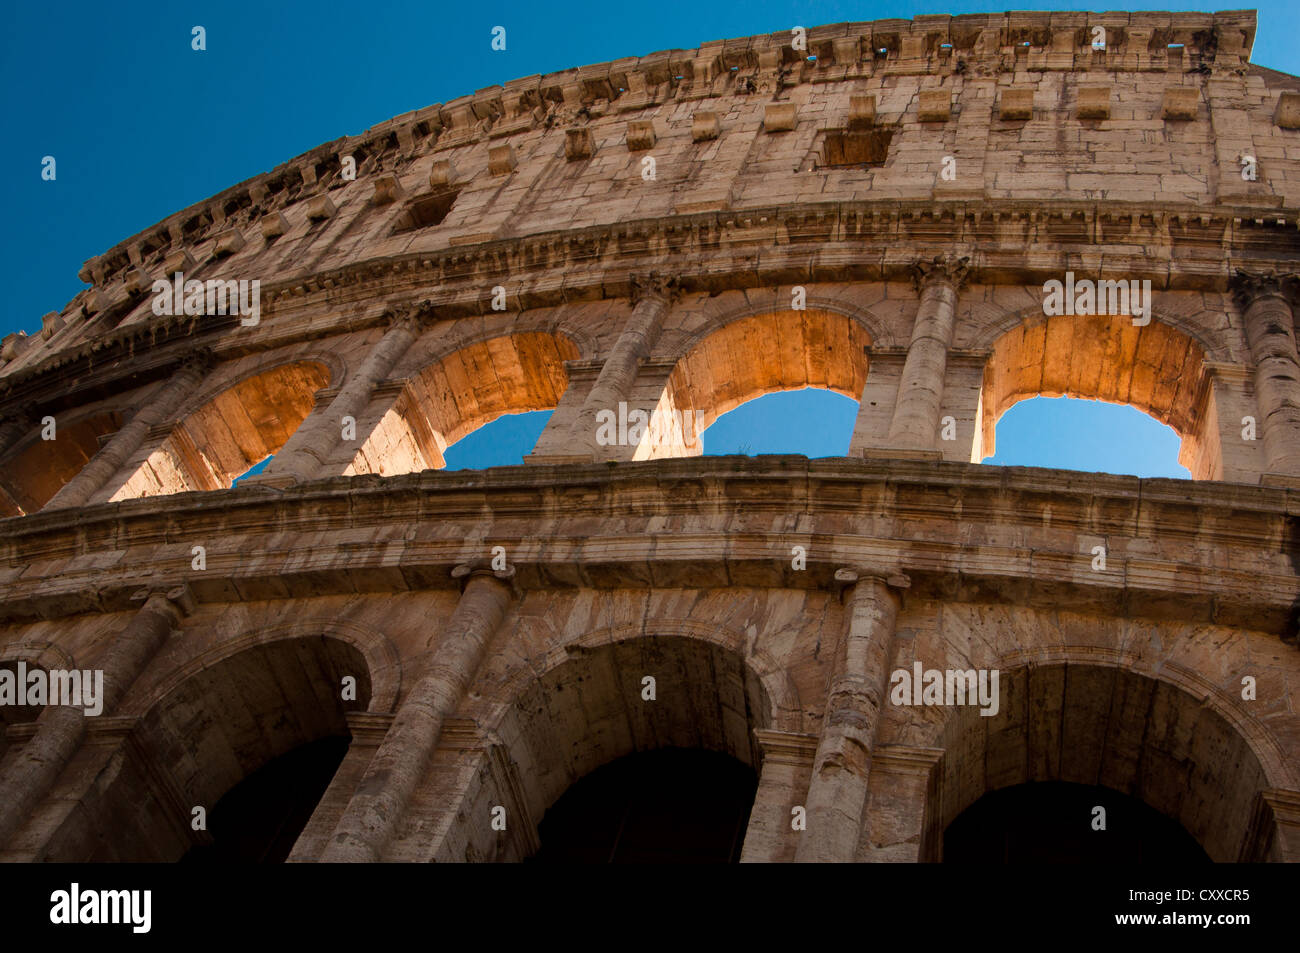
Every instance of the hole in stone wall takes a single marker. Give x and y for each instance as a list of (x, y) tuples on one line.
[(427, 210), (843, 147)]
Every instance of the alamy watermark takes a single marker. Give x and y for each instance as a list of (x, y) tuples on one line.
[(72, 688), (1098, 297), (948, 687), (214, 296), (628, 427)]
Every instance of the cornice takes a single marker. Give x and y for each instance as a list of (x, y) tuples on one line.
[(1176, 247), (1172, 553)]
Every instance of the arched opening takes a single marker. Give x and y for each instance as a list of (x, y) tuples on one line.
[(40, 469), (450, 399), (1070, 434), (812, 422), (755, 356), (223, 440), (667, 806), (252, 740), (702, 703), (1055, 822), (1112, 728), (260, 818), (503, 442), (1154, 368)]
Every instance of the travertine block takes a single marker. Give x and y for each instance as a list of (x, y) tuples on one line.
[(704, 126), (779, 117), (502, 159), (862, 112), (578, 143), (321, 207), (1094, 102), (1016, 102), (1180, 102), (640, 135), (935, 105)]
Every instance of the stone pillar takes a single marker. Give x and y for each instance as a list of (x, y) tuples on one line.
[(838, 792), (652, 296), (920, 392), (902, 806), (60, 728), (1270, 332), (376, 809), (1273, 835), (305, 453), (368, 730), (105, 464), (782, 784), (1223, 445), (879, 395)]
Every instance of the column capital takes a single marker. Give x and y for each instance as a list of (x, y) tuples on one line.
[(199, 361), (851, 576), (482, 567), (952, 270), (654, 285), (175, 600), (1249, 286), (410, 317)]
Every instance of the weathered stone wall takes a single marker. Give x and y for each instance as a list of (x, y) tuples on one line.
[(770, 598)]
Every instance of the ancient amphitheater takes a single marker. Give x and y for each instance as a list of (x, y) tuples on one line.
[(622, 649)]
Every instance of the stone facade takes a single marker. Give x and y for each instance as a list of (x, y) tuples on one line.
[(878, 215)]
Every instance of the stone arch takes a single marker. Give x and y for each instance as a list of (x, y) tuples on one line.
[(1156, 368), (239, 426), (37, 469), (752, 355), (880, 333), (580, 708), (216, 384), (201, 733), (467, 383), (383, 663), (1091, 717), (983, 324)]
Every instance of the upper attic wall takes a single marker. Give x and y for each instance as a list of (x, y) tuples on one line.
[(746, 124)]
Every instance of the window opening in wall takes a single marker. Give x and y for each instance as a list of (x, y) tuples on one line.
[(845, 147), (1091, 435), (427, 210), (812, 421), (501, 443)]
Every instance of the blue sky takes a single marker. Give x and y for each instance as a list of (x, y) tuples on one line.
[(141, 125)]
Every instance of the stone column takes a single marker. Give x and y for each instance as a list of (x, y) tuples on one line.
[(376, 809), (105, 464), (1270, 332), (303, 456), (60, 728), (782, 784), (652, 296), (916, 414), (838, 792)]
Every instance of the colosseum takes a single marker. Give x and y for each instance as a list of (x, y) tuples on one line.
[(622, 649)]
